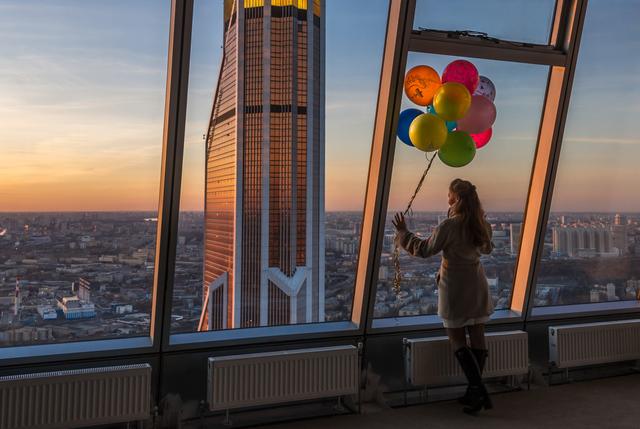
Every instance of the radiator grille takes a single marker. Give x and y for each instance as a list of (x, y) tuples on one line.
[(268, 378), (430, 361), (75, 398), (594, 343)]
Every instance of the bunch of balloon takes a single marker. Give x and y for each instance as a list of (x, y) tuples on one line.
[(457, 120), (458, 115)]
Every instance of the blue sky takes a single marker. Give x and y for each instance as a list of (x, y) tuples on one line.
[(82, 99)]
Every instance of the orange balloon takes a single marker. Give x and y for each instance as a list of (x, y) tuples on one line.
[(420, 84)]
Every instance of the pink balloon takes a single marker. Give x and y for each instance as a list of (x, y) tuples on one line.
[(462, 71), (482, 138), (480, 116)]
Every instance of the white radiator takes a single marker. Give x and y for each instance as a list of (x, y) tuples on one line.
[(76, 398), (594, 343), (268, 378), (431, 361)]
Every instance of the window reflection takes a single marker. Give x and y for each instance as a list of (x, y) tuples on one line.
[(592, 244)]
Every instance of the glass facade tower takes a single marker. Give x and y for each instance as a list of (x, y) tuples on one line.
[(264, 199)]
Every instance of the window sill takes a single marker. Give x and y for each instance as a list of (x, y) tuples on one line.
[(433, 321), (579, 310), (261, 335), (77, 349)]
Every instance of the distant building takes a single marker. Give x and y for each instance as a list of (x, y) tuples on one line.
[(611, 292), (619, 219), (26, 334), (84, 290), (633, 288), (583, 242), (515, 233), (18, 298), (383, 273), (8, 300), (108, 259), (388, 240), (47, 312), (620, 235), (121, 308), (73, 308)]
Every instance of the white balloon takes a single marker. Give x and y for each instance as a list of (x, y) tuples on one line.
[(486, 88)]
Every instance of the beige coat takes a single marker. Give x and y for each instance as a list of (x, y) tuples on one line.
[(463, 292)]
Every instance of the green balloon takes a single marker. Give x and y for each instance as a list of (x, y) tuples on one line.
[(458, 150)]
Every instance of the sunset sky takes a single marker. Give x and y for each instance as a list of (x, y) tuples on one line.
[(82, 96)]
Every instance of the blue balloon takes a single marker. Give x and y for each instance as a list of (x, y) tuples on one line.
[(406, 117), (451, 125)]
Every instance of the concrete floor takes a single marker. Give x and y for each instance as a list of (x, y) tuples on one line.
[(606, 403)]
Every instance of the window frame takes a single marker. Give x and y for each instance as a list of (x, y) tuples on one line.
[(560, 56), (441, 34), (565, 311), (166, 233), (400, 39)]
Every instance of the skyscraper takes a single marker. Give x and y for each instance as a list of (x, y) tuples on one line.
[(264, 203), (17, 298), (515, 235), (619, 219), (620, 234)]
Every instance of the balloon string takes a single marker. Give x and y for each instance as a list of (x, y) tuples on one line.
[(424, 175), (397, 278)]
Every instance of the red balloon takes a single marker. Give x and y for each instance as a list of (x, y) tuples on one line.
[(464, 72), (482, 138), (480, 116)]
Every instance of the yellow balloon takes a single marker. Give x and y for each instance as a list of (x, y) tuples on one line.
[(428, 132), (451, 101)]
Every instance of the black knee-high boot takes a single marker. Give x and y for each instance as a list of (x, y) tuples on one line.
[(478, 395), (481, 357)]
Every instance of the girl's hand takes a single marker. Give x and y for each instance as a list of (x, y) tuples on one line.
[(399, 222)]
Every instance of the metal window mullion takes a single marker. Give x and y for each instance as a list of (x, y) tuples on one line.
[(425, 43), (171, 173), (394, 60), (546, 160)]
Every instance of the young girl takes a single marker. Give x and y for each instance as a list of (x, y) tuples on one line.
[(463, 293)]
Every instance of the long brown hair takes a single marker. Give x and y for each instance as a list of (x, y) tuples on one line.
[(469, 208)]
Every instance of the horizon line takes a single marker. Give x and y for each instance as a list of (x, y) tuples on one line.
[(326, 211)]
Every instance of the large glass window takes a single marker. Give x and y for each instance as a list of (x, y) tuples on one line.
[(521, 21), (592, 245), (279, 125), (81, 114), (501, 172)]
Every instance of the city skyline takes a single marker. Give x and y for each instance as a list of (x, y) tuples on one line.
[(113, 254), (75, 92)]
